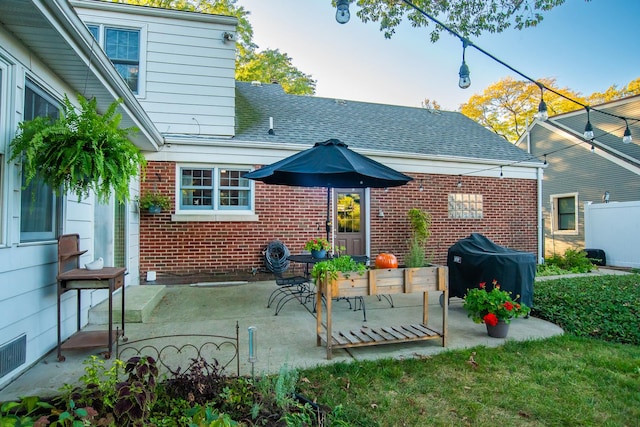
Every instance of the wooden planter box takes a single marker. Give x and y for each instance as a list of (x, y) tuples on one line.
[(382, 282)]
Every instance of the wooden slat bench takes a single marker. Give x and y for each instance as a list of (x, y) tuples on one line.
[(382, 282)]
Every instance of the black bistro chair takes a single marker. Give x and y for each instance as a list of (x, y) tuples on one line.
[(289, 287)]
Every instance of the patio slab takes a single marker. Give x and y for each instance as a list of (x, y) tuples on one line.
[(288, 338)]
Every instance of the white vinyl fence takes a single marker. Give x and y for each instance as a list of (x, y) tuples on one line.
[(614, 228)]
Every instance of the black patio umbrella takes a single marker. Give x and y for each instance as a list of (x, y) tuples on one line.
[(329, 164)]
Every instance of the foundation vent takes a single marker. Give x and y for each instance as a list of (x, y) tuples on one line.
[(13, 354)]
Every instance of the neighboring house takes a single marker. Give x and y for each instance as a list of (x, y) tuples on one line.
[(45, 53), (216, 130), (579, 174)]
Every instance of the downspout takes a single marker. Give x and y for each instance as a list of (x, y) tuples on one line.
[(540, 230)]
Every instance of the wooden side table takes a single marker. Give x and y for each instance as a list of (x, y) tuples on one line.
[(111, 278)]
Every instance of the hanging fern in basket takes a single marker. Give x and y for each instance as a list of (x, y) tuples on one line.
[(80, 153)]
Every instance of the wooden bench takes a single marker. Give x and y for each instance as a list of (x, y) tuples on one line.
[(382, 282)]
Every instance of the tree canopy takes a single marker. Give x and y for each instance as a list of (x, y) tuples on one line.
[(466, 17), (505, 107)]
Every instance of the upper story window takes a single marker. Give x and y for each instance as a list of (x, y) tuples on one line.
[(214, 189), (565, 207), (465, 206), (122, 46), (39, 206)]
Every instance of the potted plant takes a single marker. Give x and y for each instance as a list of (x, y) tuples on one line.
[(80, 152), (154, 202), (318, 247), (494, 308)]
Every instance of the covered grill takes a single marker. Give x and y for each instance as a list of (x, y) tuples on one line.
[(477, 259)]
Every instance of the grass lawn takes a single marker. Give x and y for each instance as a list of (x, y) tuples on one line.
[(571, 380)]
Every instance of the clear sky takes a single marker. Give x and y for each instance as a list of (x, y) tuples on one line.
[(586, 46)]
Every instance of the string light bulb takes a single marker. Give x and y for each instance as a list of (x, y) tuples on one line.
[(465, 80), (459, 182), (588, 129), (342, 11), (543, 114), (501, 174), (626, 138)]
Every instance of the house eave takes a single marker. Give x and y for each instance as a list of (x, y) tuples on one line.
[(54, 33), (156, 12)]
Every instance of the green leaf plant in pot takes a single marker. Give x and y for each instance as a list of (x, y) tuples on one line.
[(154, 202), (81, 152), (492, 307)]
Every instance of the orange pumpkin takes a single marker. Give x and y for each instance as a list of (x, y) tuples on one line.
[(385, 260)]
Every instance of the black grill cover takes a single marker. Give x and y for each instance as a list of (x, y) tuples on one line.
[(477, 259)]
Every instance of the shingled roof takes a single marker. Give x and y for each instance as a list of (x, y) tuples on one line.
[(367, 126)]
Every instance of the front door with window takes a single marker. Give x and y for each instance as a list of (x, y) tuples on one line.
[(350, 220)]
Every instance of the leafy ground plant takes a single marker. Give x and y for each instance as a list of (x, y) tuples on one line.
[(573, 261), (603, 307)]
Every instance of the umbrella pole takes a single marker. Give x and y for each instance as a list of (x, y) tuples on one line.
[(328, 224)]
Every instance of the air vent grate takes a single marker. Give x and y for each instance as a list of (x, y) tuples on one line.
[(13, 354)]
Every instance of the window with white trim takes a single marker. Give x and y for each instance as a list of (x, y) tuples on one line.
[(214, 189), (565, 212), (465, 206), (122, 46), (39, 206)]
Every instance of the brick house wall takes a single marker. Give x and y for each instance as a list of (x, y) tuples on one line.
[(295, 214)]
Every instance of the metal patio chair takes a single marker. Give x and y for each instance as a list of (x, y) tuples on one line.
[(289, 287)]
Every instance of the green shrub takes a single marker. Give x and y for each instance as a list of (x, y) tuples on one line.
[(603, 307), (573, 261)]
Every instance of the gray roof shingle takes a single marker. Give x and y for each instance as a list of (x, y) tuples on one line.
[(386, 128)]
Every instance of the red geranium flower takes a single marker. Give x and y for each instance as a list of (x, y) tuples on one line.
[(482, 285), (508, 305), (490, 319)]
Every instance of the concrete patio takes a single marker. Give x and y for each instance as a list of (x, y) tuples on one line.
[(288, 338)]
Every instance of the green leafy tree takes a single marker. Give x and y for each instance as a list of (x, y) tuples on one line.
[(466, 17), (505, 107), (251, 65), (271, 66)]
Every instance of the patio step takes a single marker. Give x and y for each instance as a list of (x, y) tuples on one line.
[(140, 302)]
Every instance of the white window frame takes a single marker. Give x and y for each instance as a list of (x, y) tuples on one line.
[(554, 214), (214, 213), (40, 236), (142, 49)]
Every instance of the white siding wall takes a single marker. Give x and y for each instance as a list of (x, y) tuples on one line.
[(175, 52), (28, 271)]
